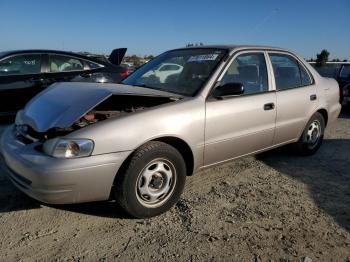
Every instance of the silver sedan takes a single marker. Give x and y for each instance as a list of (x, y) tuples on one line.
[(136, 142)]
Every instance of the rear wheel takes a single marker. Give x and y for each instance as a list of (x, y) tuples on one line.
[(153, 180), (312, 137)]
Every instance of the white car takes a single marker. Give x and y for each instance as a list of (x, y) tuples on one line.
[(164, 71)]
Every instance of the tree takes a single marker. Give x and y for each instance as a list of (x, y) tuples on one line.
[(322, 58), (345, 60), (148, 57)]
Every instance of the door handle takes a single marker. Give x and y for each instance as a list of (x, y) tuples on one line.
[(313, 97), (269, 106)]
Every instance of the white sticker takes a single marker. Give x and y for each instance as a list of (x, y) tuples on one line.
[(30, 62), (208, 57)]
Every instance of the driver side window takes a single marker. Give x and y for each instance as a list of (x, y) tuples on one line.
[(21, 65), (249, 70)]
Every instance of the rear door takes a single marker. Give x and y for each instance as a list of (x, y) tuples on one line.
[(20, 79), (243, 124), (295, 94), (63, 68)]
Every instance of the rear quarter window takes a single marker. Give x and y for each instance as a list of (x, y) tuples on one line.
[(93, 65), (305, 78)]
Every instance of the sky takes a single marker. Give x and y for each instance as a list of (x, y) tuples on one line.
[(152, 27)]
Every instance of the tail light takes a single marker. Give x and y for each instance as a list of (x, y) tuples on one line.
[(124, 74)]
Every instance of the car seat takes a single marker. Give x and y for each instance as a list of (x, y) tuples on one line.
[(53, 67)]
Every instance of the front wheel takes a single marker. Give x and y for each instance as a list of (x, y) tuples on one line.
[(153, 180), (312, 136)]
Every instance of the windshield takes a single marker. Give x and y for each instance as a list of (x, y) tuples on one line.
[(180, 71)]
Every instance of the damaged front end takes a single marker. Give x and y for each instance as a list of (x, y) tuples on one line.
[(118, 106), (58, 112)]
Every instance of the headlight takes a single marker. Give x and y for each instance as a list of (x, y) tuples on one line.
[(68, 148)]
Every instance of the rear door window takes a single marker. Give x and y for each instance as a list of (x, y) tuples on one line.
[(286, 71), (61, 63), (21, 65)]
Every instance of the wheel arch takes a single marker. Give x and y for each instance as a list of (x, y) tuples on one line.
[(184, 149), (324, 113), (179, 144)]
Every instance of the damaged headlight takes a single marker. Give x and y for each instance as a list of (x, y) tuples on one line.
[(68, 148)]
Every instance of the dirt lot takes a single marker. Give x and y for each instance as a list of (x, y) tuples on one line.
[(273, 207)]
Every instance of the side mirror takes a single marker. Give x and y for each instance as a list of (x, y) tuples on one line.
[(229, 89)]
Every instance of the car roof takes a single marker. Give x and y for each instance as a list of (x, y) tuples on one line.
[(236, 47), (48, 51)]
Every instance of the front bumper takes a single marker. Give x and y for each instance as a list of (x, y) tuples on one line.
[(58, 181)]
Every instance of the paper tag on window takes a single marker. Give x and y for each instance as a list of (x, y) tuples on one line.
[(209, 57)]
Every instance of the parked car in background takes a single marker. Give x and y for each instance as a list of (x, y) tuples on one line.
[(164, 71), (130, 67), (340, 72), (137, 141), (343, 78), (25, 73)]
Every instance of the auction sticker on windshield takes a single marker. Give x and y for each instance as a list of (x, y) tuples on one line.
[(208, 57)]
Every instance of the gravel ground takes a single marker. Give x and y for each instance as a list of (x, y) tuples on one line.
[(272, 207)]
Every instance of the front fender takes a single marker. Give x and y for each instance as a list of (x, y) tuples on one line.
[(184, 120)]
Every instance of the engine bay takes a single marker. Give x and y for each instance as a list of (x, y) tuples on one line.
[(114, 106)]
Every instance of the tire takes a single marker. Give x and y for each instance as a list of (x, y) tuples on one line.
[(153, 180), (312, 136)]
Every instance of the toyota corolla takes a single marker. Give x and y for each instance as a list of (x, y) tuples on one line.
[(136, 142)]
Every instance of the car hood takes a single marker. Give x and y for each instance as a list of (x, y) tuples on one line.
[(60, 105)]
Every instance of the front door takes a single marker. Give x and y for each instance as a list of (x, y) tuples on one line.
[(243, 124)]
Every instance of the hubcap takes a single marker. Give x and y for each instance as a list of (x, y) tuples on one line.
[(313, 134), (156, 183)]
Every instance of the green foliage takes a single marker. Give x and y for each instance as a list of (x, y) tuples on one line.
[(137, 60), (322, 58)]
